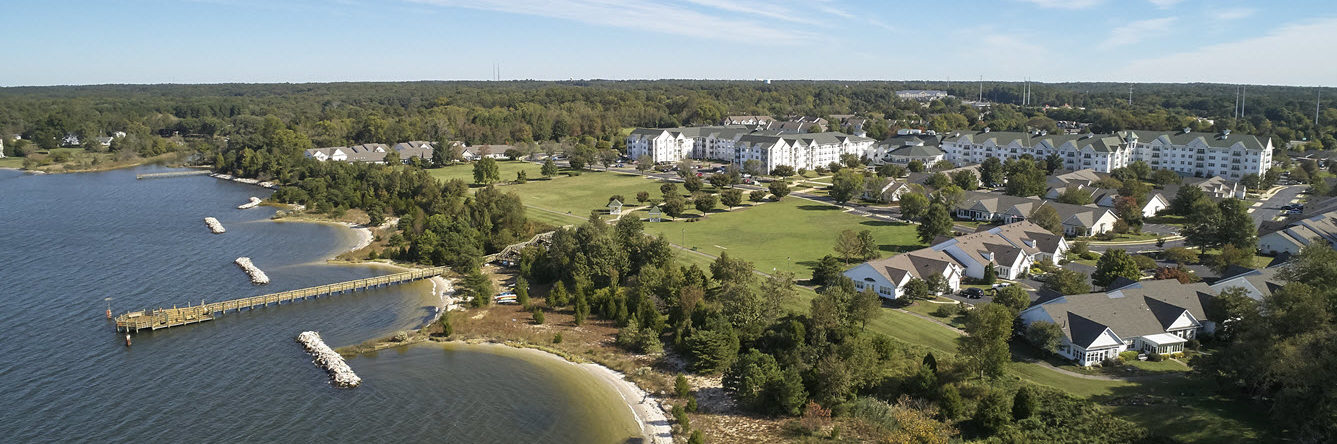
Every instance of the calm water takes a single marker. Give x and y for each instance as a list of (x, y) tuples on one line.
[(68, 241)]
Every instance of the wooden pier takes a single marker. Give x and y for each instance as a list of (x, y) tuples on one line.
[(171, 174), (154, 319)]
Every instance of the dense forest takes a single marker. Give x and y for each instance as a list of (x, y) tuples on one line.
[(524, 111)]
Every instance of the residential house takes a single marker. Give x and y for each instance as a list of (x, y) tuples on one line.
[(1011, 248), (1257, 284), (888, 276), (1319, 228), (1147, 316), (367, 152), (476, 152), (884, 190), (104, 141), (70, 140), (1084, 177), (748, 120), (1106, 197), (337, 154), (1078, 220), (902, 149), (411, 149), (2, 147)]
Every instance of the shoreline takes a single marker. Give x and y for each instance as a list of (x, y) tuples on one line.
[(651, 417)]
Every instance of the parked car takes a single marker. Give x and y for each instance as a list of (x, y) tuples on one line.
[(972, 293)]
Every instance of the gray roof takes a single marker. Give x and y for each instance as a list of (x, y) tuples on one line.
[(1141, 309), (1214, 140), (1099, 143), (1086, 215), (415, 148)]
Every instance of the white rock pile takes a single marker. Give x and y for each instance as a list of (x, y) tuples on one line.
[(255, 202), (258, 277), (324, 357), (214, 226)]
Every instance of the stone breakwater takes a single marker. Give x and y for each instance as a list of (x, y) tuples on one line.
[(258, 277), (325, 357), (214, 226), (255, 202)]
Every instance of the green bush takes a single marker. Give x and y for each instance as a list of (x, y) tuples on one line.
[(557, 338), (1128, 356), (1155, 357), (946, 310)]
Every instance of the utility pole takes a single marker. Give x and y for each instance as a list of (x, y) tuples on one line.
[(1130, 95), (1235, 113), (1318, 96), (1244, 97), (981, 99)]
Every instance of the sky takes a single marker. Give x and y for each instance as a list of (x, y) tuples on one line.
[(63, 42)]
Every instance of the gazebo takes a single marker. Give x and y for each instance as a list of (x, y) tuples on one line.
[(615, 207)]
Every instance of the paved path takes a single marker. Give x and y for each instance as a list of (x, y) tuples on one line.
[(1269, 209)]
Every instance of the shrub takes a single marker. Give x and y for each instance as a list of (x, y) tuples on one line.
[(691, 405), (681, 387), (696, 438), (1128, 356), (557, 338), (680, 416), (1144, 262), (946, 310), (537, 313), (1155, 357), (1090, 255)]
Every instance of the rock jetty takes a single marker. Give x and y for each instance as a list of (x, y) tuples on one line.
[(258, 277), (324, 357), (214, 226), (255, 202)]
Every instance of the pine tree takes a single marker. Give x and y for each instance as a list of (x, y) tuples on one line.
[(582, 308), (549, 168), (558, 296), (522, 291)]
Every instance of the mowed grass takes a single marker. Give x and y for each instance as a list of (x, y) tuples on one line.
[(507, 168), (790, 235), (578, 195), (11, 162)]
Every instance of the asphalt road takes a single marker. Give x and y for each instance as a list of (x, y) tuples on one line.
[(1271, 208)]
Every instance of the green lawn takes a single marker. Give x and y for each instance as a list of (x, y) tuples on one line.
[(11, 162), (465, 171), (929, 309), (790, 235)]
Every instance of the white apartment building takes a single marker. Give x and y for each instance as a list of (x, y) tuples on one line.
[(1188, 153), (739, 144), (1197, 154), (1101, 153)]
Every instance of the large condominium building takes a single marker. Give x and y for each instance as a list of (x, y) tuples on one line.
[(739, 144), (1185, 152), (1230, 156)]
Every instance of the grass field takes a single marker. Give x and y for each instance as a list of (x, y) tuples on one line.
[(790, 235), (465, 171), (11, 162)]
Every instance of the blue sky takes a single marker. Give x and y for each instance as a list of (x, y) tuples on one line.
[(49, 42)]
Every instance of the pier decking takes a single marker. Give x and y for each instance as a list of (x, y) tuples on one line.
[(155, 319)]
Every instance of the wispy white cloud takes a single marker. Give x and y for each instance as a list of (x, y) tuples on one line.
[(1233, 13), (1138, 31), (1065, 4), (644, 15), (760, 9), (1251, 60), (1165, 4)]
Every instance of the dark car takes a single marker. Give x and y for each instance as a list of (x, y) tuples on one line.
[(972, 293)]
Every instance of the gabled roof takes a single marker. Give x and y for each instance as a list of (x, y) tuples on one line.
[(1214, 140), (1135, 310)]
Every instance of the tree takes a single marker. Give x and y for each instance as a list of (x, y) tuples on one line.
[(644, 163), (1024, 403), (937, 284), (966, 180), (938, 181), (486, 171), (522, 291), (549, 169), (913, 205), (935, 223), (846, 185), (754, 167), (827, 271), (1013, 297), (704, 202), (916, 288), (1044, 335), (642, 196), (891, 170), (1024, 179), (847, 245), (720, 180), (756, 195), (994, 412), (1075, 196), (1115, 264), (867, 245), (990, 274), (669, 190), (1129, 211), (447, 328), (1067, 281), (1232, 256), (692, 183), (991, 172), (580, 306), (985, 344), (778, 188), (1053, 162), (731, 198), (1237, 227), (756, 382), (674, 206), (783, 171), (1177, 273), (443, 154), (558, 297), (392, 158), (1047, 217), (1183, 201), (915, 166), (480, 287)]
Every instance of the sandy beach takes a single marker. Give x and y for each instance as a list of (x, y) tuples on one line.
[(649, 413)]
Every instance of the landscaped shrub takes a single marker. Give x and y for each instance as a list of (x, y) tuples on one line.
[(1128, 356)]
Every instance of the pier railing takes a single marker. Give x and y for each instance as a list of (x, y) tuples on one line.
[(176, 316)]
